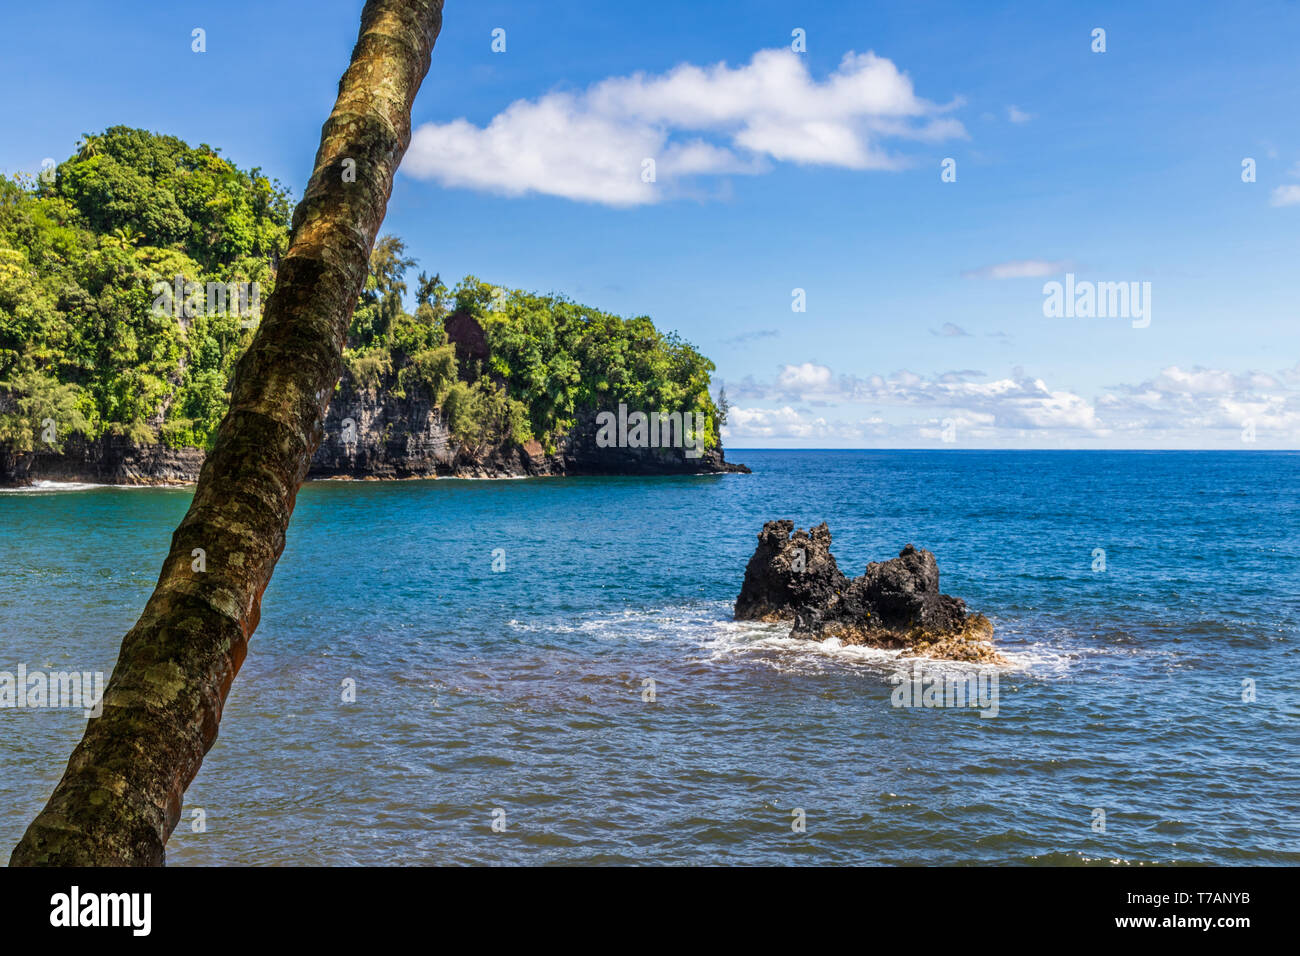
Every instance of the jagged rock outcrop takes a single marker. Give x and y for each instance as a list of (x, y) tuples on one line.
[(895, 604), (788, 573), (467, 335)]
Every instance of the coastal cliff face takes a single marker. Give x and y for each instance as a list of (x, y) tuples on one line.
[(109, 460), (369, 433)]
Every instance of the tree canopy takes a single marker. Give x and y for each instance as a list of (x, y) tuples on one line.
[(85, 247)]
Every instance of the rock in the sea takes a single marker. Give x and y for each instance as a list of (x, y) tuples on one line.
[(788, 574), (894, 604)]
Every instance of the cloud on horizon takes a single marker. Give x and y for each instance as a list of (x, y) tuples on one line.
[(1177, 405)]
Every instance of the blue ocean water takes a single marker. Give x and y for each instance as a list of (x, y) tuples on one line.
[(515, 695)]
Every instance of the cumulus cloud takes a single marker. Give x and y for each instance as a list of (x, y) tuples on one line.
[(771, 423), (1018, 269), (793, 424), (804, 379), (1017, 115), (692, 121), (1207, 400), (1016, 402), (1177, 406)]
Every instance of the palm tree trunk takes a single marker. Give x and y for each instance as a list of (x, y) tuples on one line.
[(120, 797)]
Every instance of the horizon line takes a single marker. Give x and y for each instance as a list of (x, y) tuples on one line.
[(742, 448)]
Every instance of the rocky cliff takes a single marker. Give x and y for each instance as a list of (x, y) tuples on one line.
[(369, 433)]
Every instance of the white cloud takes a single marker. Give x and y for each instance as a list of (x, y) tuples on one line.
[(1198, 381), (1018, 269), (1177, 407), (771, 423), (969, 425), (791, 424), (1007, 402), (591, 145), (1017, 115), (1203, 400), (1288, 195), (805, 378)]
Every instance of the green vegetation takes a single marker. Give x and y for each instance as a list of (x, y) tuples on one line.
[(554, 358), (82, 252), (79, 257)]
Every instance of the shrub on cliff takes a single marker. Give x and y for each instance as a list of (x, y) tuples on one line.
[(33, 399), (368, 367), (481, 414), (433, 370)]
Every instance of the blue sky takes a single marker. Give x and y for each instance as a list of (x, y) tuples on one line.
[(783, 171)]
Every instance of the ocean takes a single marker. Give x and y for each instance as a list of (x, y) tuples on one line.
[(544, 671)]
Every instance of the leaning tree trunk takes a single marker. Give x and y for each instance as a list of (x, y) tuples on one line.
[(120, 797)]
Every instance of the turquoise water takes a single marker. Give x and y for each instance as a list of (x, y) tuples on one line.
[(521, 689)]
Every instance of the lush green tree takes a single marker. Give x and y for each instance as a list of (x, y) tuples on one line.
[(80, 255), (381, 300)]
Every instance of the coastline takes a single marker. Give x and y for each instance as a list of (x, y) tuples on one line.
[(109, 464), (367, 435)]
